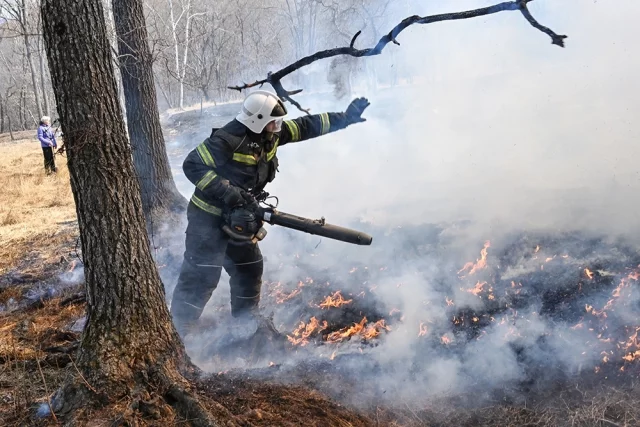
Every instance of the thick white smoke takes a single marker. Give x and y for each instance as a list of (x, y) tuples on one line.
[(499, 131)]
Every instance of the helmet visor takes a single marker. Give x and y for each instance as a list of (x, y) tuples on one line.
[(279, 110)]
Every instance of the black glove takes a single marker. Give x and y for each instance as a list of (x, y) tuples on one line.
[(233, 197), (355, 110), (244, 221), (250, 202)]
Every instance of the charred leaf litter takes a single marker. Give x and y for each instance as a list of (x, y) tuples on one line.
[(528, 313)]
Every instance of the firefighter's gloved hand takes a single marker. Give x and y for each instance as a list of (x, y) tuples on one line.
[(355, 110), (233, 197), (244, 221), (250, 202)]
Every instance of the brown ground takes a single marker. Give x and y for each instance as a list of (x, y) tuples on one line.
[(38, 239), (38, 236)]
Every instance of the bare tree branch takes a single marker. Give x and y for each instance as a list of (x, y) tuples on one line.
[(353, 40), (274, 78)]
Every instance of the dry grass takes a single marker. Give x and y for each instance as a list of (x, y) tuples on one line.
[(35, 209), (28, 367)]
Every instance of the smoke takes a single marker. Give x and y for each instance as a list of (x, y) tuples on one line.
[(492, 134)]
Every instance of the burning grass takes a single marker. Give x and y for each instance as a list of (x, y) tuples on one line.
[(592, 298), (332, 327)]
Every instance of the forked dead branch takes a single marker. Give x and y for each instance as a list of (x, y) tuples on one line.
[(274, 79)]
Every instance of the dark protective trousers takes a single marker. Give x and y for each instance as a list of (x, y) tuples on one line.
[(208, 250), (49, 160)]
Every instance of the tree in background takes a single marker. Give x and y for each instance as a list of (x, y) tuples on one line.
[(18, 11), (158, 190)]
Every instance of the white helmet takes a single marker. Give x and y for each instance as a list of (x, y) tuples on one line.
[(259, 108)]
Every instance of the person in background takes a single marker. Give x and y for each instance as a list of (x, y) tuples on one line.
[(48, 143)]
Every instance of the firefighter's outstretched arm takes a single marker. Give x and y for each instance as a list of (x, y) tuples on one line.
[(315, 125)]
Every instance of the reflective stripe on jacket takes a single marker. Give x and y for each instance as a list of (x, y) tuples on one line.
[(230, 157)]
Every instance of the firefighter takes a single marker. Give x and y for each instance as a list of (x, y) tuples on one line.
[(229, 169)]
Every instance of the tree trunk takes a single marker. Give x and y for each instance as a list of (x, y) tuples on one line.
[(205, 93), (32, 67), (176, 46), (185, 54), (159, 192), (111, 31), (23, 108), (129, 347), (166, 97), (8, 115), (10, 125), (43, 84), (2, 102)]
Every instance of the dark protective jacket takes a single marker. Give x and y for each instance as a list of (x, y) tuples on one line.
[(232, 155)]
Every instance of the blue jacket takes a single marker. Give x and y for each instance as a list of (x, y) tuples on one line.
[(46, 136)]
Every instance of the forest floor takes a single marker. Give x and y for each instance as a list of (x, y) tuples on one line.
[(41, 303)]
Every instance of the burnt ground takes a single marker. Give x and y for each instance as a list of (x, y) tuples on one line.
[(40, 351), (40, 332), (41, 304), (39, 340)]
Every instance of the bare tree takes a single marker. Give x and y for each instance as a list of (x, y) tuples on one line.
[(159, 192), (15, 78), (129, 347), (18, 11), (181, 59), (5, 112)]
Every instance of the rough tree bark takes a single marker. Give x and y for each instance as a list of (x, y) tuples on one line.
[(159, 192), (130, 350)]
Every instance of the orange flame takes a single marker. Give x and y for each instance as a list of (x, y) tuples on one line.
[(362, 329), (577, 326), (282, 297), (302, 333), (480, 263), (423, 330), (477, 289), (335, 300), (449, 302), (445, 340), (394, 311), (537, 249), (333, 356), (589, 273), (632, 356)]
